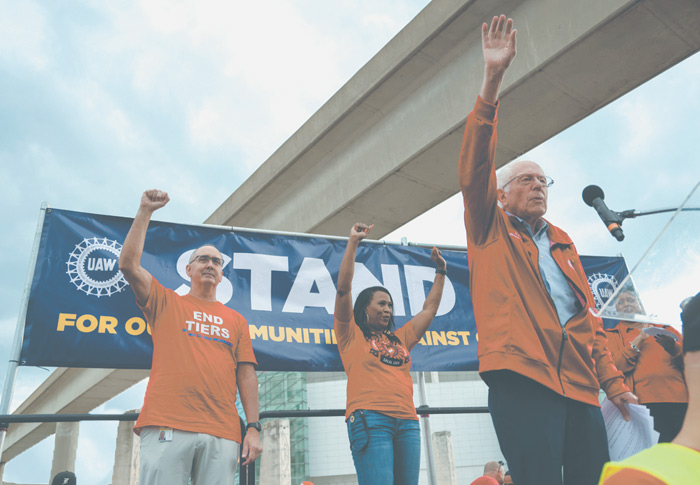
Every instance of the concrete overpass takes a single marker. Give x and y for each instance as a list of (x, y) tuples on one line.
[(395, 128), (386, 144)]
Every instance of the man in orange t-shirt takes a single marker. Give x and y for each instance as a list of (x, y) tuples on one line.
[(202, 353), (494, 474)]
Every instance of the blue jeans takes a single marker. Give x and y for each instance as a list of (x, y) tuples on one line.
[(385, 450)]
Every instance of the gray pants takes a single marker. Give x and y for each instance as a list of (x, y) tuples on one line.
[(207, 459)]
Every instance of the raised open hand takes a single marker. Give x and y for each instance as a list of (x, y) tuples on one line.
[(360, 230), (154, 199), (498, 43)]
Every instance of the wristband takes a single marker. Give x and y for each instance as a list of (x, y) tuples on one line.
[(441, 271), (634, 347), (255, 425)]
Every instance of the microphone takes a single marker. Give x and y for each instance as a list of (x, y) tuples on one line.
[(593, 196)]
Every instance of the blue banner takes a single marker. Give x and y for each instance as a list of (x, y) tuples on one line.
[(82, 312)]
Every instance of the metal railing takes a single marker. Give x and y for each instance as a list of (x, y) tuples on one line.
[(246, 474)]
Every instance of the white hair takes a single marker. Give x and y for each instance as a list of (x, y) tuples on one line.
[(505, 174)]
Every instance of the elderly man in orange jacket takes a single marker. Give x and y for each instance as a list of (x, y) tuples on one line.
[(538, 350)]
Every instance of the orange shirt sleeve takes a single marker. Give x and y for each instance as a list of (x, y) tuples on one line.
[(155, 303), (407, 335), (244, 349)]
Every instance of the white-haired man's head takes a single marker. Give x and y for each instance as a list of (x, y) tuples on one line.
[(523, 189)]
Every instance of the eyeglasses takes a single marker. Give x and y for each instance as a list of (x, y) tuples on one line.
[(204, 259), (528, 178)]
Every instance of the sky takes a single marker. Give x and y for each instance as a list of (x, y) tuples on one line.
[(100, 101)]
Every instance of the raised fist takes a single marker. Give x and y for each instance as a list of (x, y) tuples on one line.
[(154, 199)]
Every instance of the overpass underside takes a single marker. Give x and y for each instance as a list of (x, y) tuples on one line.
[(385, 146)]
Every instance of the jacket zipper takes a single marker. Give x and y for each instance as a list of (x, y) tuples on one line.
[(564, 338)]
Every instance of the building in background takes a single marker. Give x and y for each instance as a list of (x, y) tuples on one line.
[(285, 391), (319, 446)]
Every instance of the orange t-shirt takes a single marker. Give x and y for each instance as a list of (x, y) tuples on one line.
[(197, 346), (378, 370)]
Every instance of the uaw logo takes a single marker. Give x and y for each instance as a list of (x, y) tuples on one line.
[(93, 267), (603, 286)]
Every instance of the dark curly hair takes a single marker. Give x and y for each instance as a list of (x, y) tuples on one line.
[(361, 303)]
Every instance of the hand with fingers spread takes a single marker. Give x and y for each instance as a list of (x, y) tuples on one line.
[(668, 343), (498, 43), (499, 49)]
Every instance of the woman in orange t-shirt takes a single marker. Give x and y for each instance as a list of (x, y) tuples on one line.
[(381, 418)]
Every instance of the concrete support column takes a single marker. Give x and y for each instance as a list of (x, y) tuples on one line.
[(444, 458), (65, 448), (126, 455), (275, 462)]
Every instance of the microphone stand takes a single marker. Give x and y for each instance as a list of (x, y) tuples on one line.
[(632, 213)]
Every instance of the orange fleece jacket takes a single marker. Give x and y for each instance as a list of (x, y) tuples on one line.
[(653, 374), (516, 320)]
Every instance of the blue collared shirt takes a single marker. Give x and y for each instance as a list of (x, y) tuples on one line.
[(557, 285)]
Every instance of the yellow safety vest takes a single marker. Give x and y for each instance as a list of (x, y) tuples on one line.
[(673, 464)]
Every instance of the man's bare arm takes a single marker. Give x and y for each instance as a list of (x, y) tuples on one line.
[(130, 259), (248, 386)]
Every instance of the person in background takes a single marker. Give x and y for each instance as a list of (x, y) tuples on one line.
[(678, 462), (381, 418), (494, 474), (653, 367), (64, 478)]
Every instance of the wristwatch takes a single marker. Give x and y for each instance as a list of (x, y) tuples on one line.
[(255, 424), (636, 349)]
